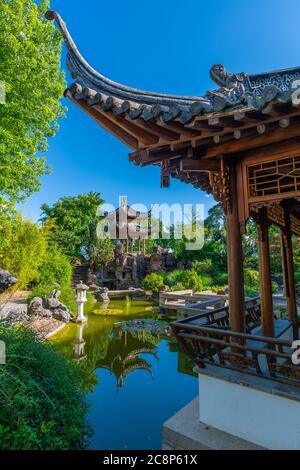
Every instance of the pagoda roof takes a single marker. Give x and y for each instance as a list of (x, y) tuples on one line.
[(251, 91), (186, 135)]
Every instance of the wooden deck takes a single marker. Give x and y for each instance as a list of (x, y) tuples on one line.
[(187, 303)]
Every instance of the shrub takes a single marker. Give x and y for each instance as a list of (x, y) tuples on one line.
[(192, 280), (204, 266), (42, 404), (22, 247), (178, 286), (55, 267), (153, 282), (297, 277), (221, 279), (251, 281), (173, 278), (207, 281)]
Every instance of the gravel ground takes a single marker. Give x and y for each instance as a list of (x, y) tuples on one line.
[(13, 310)]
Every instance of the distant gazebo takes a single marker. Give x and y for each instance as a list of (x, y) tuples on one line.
[(128, 224)]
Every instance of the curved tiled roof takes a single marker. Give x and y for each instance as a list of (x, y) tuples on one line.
[(236, 90)]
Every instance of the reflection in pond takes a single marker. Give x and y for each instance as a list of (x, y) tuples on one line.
[(134, 374)]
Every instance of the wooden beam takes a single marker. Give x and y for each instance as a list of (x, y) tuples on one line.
[(141, 134), (108, 125), (247, 143), (144, 157), (278, 149), (178, 128), (187, 164), (158, 131), (204, 125)]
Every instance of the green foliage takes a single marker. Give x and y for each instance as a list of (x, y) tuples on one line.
[(203, 266), (221, 279), (55, 268), (26, 252), (251, 281), (30, 70), (184, 279), (75, 221), (42, 404), (102, 252), (297, 277), (23, 246), (153, 282), (192, 280)]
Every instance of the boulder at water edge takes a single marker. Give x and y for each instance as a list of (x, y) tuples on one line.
[(7, 280)]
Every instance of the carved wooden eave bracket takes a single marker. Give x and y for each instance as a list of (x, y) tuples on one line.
[(220, 183)]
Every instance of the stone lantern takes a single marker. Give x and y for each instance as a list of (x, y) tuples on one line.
[(81, 300)]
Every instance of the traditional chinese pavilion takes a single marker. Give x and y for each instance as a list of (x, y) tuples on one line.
[(129, 226), (241, 143)]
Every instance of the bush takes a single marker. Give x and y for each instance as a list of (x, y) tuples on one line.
[(184, 279), (174, 278), (204, 266), (221, 279), (207, 281), (153, 282), (297, 277), (42, 404), (55, 267), (22, 247), (192, 280), (251, 281), (25, 251)]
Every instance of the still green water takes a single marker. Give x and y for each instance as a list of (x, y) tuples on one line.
[(134, 382)]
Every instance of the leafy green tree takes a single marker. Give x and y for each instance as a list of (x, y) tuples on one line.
[(55, 267), (75, 222), (25, 251), (23, 246), (30, 49)]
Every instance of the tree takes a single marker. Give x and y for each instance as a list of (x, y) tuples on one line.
[(75, 222), (27, 252), (30, 49), (102, 252)]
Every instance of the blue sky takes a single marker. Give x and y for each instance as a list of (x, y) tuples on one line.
[(158, 45)]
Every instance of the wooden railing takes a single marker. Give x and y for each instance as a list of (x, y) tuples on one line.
[(255, 355)]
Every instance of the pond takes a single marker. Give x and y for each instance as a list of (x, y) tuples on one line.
[(134, 381)]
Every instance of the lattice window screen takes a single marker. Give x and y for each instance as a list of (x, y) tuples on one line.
[(274, 177)]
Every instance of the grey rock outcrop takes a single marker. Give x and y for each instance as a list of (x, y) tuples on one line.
[(51, 307), (13, 313), (7, 280)]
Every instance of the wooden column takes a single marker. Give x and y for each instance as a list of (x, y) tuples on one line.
[(144, 247), (235, 256), (288, 273), (139, 246), (265, 274), (126, 245)]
